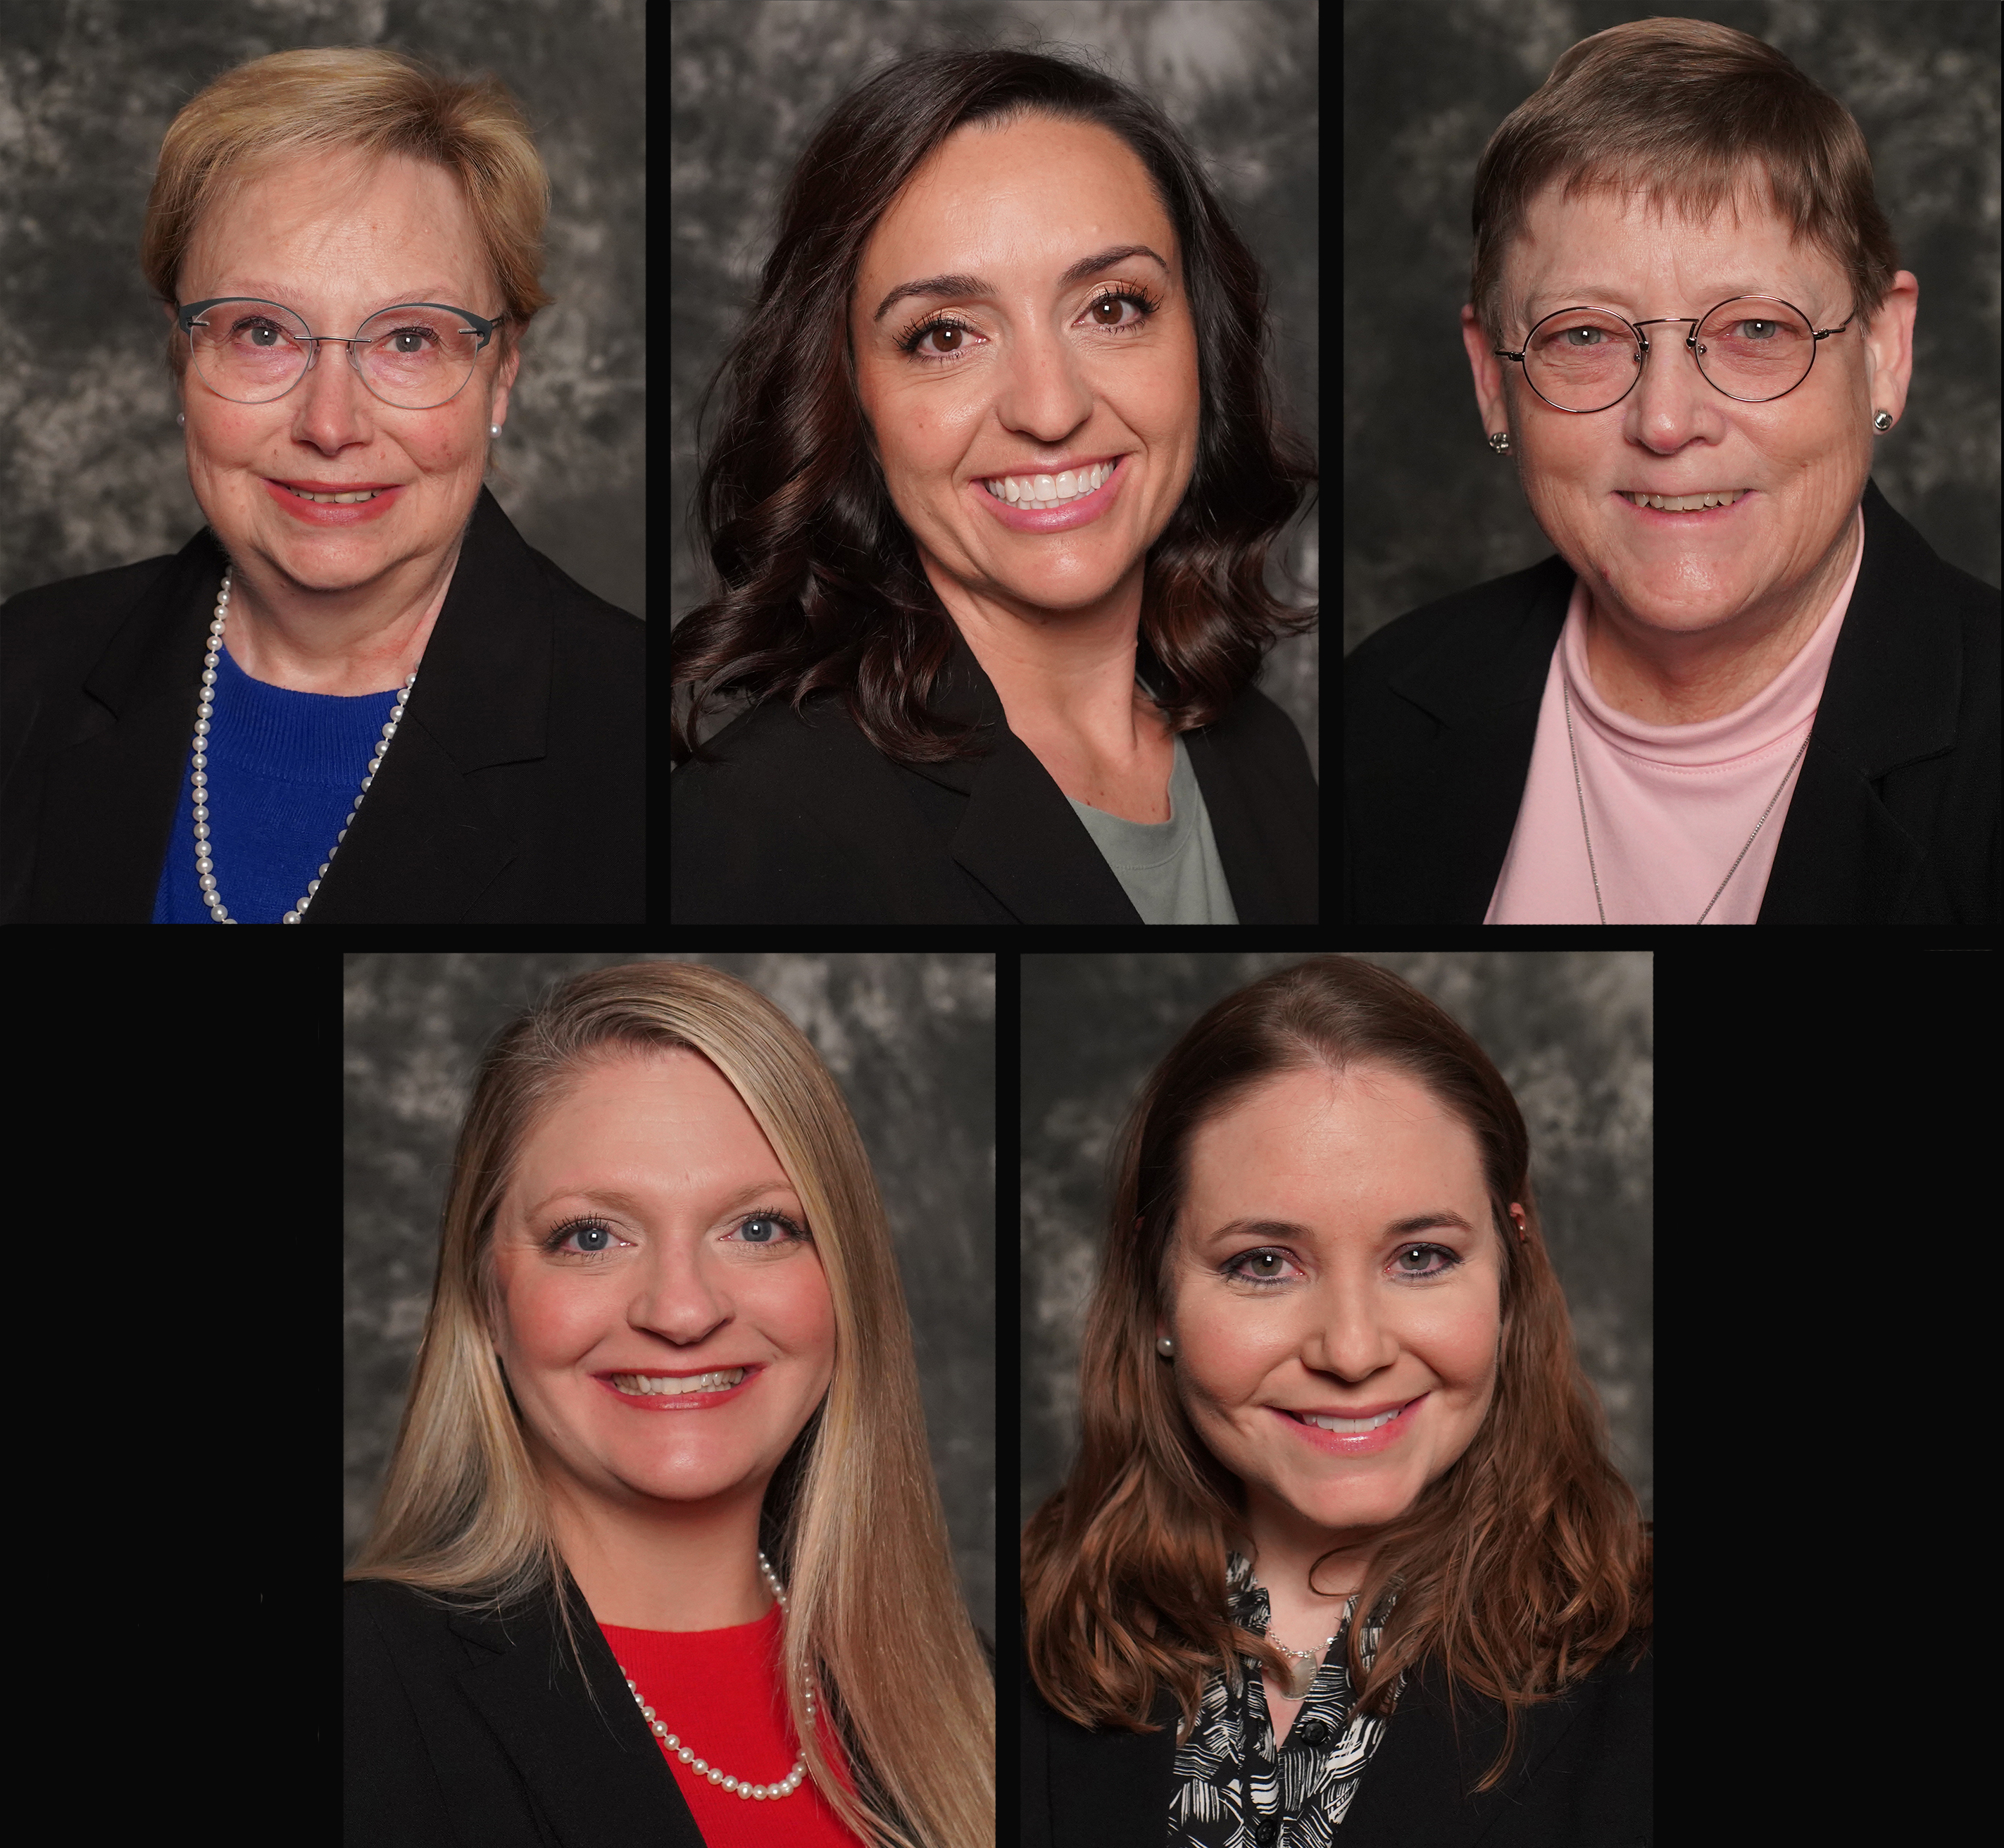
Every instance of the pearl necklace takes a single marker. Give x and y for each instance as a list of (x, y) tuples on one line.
[(205, 866), (786, 1786)]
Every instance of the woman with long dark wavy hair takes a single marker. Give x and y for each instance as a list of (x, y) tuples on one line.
[(1342, 1529), (988, 515)]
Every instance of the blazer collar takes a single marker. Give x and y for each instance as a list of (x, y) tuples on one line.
[(595, 1772), (1841, 854), (423, 840), (1019, 837)]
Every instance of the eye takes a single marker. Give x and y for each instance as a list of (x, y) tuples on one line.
[(1144, 304), (1262, 1267), (769, 1229), (589, 1234)]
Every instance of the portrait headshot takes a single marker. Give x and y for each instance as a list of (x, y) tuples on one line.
[(364, 690), (670, 1401), (1335, 1474), (1000, 604), (1713, 638)]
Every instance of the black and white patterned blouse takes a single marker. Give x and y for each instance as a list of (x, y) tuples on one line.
[(1231, 1789)]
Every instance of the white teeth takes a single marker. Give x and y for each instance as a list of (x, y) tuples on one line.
[(1349, 1426), (1686, 503), (335, 499), (1049, 490), (686, 1383)]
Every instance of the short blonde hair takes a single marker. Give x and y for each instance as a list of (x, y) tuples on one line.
[(375, 101), (1691, 113)]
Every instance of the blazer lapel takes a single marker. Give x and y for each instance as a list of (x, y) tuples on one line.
[(598, 1778), (108, 801), (1889, 698), (1469, 783), (424, 846), (1019, 837)]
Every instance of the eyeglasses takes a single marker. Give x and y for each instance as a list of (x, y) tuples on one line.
[(416, 356), (1586, 359)]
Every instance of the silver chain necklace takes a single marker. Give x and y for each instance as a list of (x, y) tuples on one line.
[(787, 1785), (1590, 867), (204, 865)]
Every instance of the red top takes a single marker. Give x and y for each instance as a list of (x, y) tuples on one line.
[(718, 1692)]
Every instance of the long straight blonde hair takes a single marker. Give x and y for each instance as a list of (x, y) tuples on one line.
[(852, 1519)]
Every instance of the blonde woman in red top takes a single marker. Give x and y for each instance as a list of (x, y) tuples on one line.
[(667, 1373)]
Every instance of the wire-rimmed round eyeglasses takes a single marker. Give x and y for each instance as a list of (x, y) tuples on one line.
[(1818, 335)]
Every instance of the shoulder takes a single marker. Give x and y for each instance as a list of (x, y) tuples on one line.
[(1469, 624), (393, 1614), (1257, 724), (777, 763), (586, 615), (54, 615)]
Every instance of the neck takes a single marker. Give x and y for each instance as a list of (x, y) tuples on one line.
[(349, 643), (646, 1564), (1668, 678), (1061, 673)]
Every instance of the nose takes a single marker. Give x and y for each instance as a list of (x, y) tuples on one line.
[(679, 1300), (1672, 402), (333, 404)]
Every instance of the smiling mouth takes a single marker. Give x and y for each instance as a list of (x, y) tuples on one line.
[(1686, 503), (333, 500), (1050, 490)]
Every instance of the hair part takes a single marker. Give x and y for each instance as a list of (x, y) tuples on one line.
[(1519, 1569), (817, 584), (852, 1520), (1691, 116)]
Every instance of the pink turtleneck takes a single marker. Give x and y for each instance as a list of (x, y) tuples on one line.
[(1669, 806)]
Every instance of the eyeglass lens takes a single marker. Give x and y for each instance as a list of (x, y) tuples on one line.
[(1582, 359), (414, 358)]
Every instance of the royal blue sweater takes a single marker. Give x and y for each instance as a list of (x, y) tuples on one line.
[(284, 769)]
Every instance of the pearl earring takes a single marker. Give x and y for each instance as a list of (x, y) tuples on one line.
[(1164, 1346), (180, 417), (494, 429)]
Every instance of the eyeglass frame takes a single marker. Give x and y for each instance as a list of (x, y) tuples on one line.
[(186, 317), (1818, 335)]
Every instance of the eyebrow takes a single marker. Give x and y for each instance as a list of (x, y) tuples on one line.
[(964, 285), (618, 1200), (1595, 295), (440, 293), (1287, 1229)]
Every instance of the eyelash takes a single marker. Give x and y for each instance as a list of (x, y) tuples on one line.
[(908, 341), (554, 1243), (1454, 1261)]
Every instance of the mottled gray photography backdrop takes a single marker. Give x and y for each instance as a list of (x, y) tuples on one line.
[(1427, 508), (910, 1039), (1572, 1033), (752, 82), (93, 467)]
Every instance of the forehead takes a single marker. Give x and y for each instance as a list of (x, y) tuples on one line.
[(1030, 197), (1359, 1142), (1632, 250), (338, 216)]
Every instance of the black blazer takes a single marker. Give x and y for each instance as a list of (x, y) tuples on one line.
[(1895, 815), (514, 792), (1581, 1777), (465, 1732), (801, 820)]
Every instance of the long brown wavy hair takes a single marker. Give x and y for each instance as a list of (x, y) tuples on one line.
[(1519, 1569), (852, 1519), (817, 582)]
